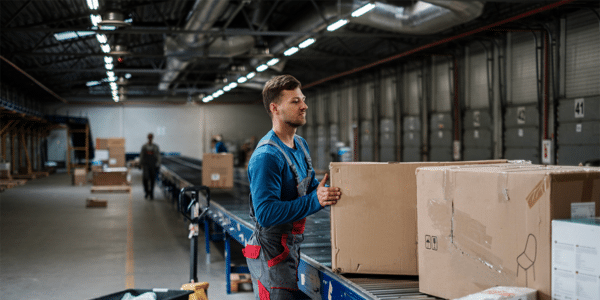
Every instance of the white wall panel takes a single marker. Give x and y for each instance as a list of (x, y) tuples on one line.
[(184, 129)]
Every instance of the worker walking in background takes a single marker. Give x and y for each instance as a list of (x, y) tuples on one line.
[(150, 162), (284, 191)]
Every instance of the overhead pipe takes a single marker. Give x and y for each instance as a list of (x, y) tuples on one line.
[(188, 46), (440, 42)]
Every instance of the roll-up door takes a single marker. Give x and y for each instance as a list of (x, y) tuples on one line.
[(522, 135), (522, 115), (578, 137), (411, 141), (440, 120), (440, 137), (582, 74), (477, 137)]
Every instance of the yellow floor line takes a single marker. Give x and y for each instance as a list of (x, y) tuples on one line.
[(129, 266)]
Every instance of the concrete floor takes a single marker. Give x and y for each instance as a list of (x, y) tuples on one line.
[(53, 247)]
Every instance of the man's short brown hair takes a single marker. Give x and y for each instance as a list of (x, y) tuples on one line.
[(273, 88)]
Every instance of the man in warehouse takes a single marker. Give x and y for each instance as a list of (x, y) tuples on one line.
[(284, 191), (150, 162)]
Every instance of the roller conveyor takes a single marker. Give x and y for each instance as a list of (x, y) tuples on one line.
[(316, 279)]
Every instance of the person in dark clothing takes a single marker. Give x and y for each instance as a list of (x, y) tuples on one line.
[(218, 145), (150, 162)]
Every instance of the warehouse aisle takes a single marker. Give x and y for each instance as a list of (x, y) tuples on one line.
[(53, 247)]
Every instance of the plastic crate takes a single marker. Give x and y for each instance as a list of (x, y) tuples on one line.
[(161, 294)]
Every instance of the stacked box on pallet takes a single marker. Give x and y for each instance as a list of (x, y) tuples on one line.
[(484, 226)]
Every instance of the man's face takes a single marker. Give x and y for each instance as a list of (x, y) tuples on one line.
[(292, 108)]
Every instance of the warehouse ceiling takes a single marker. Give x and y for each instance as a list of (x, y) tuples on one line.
[(89, 51)]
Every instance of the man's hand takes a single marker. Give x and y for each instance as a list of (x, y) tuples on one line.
[(327, 195)]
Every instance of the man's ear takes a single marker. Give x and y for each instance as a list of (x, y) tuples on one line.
[(273, 107)]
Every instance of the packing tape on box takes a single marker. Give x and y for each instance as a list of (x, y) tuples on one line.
[(449, 184)]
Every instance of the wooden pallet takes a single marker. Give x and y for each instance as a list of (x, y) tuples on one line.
[(237, 279), (94, 202), (111, 189)]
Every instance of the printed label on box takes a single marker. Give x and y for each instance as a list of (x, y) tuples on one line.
[(112, 161), (215, 176), (583, 210)]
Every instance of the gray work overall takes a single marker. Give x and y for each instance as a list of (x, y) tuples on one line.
[(273, 252)]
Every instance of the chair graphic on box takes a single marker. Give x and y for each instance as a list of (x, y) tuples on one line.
[(526, 259)]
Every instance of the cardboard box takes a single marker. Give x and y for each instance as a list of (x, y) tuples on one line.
[(116, 156), (79, 176), (480, 227), (111, 177), (504, 293), (101, 143), (576, 259), (374, 225), (116, 142), (95, 202), (217, 170)]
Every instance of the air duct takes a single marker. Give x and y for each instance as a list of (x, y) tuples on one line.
[(185, 47), (423, 17)]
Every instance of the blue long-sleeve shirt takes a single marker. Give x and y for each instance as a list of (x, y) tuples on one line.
[(273, 185)]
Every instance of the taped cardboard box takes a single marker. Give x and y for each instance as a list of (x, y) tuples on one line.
[(480, 227), (374, 225), (217, 170), (115, 176), (79, 176), (116, 156), (576, 259)]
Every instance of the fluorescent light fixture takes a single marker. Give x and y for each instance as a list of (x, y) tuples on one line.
[(115, 93), (233, 85), (105, 48), (261, 68), (128, 75), (226, 88), (95, 19), (130, 20), (108, 59), (250, 75), (109, 66), (337, 25), (290, 51), (242, 79), (108, 27), (306, 43), (110, 73), (361, 11), (111, 79), (207, 99), (101, 38), (68, 35), (92, 83), (273, 61), (93, 4), (113, 86)]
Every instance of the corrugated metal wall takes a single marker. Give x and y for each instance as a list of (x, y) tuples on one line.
[(582, 72)]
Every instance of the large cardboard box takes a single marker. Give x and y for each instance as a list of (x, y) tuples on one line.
[(576, 259), (374, 225), (79, 176), (217, 170), (101, 143), (116, 176), (116, 156), (484, 226)]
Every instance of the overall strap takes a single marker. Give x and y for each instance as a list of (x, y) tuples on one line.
[(287, 158), (306, 155)]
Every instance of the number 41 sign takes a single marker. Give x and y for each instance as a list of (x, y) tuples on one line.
[(579, 108)]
